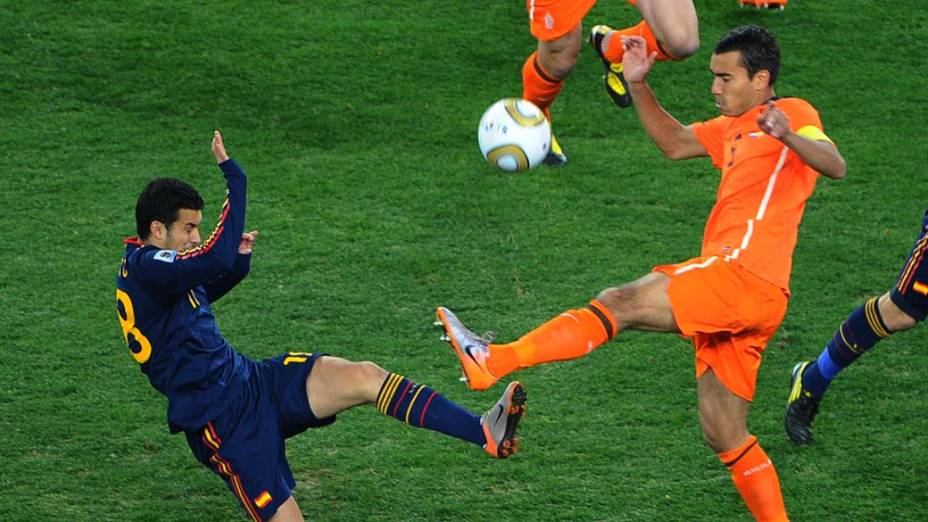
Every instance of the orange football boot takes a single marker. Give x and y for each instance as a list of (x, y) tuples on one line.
[(501, 421), (472, 350)]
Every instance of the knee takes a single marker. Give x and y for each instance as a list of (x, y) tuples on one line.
[(682, 45), (713, 440), (370, 373), (894, 317), (722, 440), (617, 299), (559, 64), (902, 322), (722, 435), (367, 378)]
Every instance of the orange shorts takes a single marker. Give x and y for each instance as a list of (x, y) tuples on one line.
[(729, 313), (552, 19)]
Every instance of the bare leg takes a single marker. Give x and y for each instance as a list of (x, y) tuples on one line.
[(896, 320), (558, 57), (674, 24), (642, 304), (336, 384), (722, 414), (288, 512)]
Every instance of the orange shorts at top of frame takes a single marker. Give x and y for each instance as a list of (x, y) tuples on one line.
[(552, 19), (729, 313)]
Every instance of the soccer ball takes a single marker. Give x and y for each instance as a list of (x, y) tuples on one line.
[(514, 135)]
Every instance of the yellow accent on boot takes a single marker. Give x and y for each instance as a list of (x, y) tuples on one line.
[(556, 154)]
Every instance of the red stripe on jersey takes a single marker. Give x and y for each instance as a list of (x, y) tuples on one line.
[(213, 236), (914, 261), (212, 441)]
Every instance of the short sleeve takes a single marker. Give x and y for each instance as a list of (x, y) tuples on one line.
[(711, 134), (803, 119)]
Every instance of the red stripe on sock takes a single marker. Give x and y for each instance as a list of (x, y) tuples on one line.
[(398, 401), (426, 408)]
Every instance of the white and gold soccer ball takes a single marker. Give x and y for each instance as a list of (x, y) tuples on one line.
[(514, 135)]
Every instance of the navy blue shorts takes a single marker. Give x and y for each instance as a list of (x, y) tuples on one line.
[(911, 290), (245, 444)]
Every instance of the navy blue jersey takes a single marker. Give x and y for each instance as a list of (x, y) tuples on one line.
[(911, 290), (163, 302)]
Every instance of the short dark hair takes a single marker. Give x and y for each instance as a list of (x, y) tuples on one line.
[(758, 46), (161, 200)]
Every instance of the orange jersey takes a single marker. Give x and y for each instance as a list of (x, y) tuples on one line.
[(552, 19), (763, 190)]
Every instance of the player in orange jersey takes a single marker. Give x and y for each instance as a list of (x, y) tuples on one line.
[(557, 26), (730, 300)]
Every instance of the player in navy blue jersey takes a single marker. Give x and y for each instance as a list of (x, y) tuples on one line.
[(901, 308), (237, 412)]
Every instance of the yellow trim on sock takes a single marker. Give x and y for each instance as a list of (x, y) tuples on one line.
[(873, 318), (413, 401), (843, 338), (389, 389), (394, 387), (383, 391)]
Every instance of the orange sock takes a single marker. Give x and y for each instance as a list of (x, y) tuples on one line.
[(756, 480), (538, 86), (570, 335), (614, 51)]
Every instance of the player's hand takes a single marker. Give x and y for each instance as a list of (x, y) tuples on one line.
[(219, 149), (636, 62), (248, 242), (773, 121)]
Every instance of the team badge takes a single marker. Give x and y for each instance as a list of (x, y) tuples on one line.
[(166, 256)]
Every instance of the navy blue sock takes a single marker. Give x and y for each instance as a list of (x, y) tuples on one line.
[(420, 406), (857, 334)]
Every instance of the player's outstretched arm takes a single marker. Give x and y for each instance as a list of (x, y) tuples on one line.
[(219, 148), (675, 140), (218, 254), (820, 154)]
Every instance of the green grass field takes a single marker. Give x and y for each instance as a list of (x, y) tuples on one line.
[(356, 122)]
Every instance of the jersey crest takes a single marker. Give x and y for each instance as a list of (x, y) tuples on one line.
[(166, 256)]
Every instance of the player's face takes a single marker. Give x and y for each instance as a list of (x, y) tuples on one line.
[(735, 93), (185, 230)]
